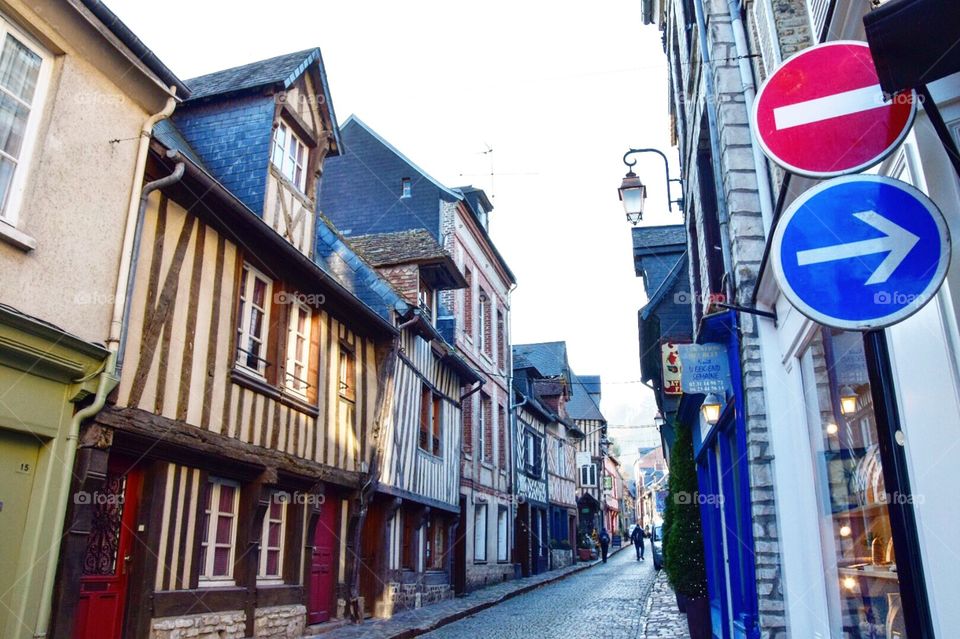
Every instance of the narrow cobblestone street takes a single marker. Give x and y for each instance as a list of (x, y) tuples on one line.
[(610, 601)]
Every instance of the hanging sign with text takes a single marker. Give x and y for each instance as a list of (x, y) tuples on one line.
[(705, 368)]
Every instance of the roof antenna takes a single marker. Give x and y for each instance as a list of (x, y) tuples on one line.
[(489, 152)]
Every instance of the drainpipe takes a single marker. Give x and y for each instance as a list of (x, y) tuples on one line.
[(105, 384), (148, 188), (127, 256), (764, 189), (109, 374), (722, 212), (514, 418)]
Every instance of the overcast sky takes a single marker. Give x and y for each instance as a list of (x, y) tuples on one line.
[(559, 91)]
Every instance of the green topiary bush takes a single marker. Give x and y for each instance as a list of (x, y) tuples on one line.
[(683, 536)]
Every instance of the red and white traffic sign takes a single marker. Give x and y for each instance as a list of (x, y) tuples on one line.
[(822, 113)]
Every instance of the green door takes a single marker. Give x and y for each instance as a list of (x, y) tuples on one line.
[(18, 462)]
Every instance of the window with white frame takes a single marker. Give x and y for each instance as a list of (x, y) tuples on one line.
[(482, 430), (483, 337), (290, 155), (23, 70), (480, 532), (254, 314), (219, 532), (561, 456), (502, 534), (271, 541), (298, 349), (588, 475), (406, 188)]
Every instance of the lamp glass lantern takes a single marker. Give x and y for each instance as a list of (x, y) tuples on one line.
[(659, 421), (633, 194), (711, 408), (848, 400)]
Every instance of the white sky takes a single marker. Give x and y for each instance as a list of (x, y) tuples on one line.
[(559, 90)]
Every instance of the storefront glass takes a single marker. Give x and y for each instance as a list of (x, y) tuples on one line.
[(862, 589)]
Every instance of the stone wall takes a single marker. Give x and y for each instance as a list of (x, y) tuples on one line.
[(281, 622), (560, 559), (212, 625)]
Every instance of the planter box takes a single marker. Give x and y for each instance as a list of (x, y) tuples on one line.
[(561, 558), (584, 554)]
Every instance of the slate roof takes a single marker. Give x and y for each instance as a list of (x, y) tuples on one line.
[(581, 404), (341, 261), (550, 358), (402, 247), (283, 69), (591, 383), (170, 136), (666, 285), (654, 237)]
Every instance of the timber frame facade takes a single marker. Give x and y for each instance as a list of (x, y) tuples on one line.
[(236, 442)]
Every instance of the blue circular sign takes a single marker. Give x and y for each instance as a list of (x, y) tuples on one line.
[(861, 252)]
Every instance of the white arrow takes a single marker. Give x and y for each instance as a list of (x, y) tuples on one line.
[(897, 243)]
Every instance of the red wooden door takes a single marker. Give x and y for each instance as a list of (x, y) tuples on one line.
[(106, 562), (322, 574)]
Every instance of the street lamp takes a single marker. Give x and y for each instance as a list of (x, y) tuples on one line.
[(848, 400), (633, 194), (659, 421), (632, 191), (711, 408)]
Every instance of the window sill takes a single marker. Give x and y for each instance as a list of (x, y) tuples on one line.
[(249, 380), (429, 455), (486, 464), (216, 583), (266, 581), (12, 235), (479, 562)]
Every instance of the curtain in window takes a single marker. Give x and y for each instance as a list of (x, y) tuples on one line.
[(19, 69)]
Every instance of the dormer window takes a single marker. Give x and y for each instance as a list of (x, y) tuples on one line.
[(427, 300), (290, 155), (405, 188)]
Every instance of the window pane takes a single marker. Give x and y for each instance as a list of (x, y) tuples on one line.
[(858, 554), (13, 123), (259, 292), (226, 498), (6, 177), (19, 68), (273, 563), (224, 529), (221, 562)]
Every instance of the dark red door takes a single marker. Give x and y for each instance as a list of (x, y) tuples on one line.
[(322, 575), (106, 562)]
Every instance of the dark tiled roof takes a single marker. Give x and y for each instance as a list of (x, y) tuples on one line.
[(341, 262), (647, 238), (382, 249), (591, 383), (281, 69), (550, 358), (581, 404), (665, 285), (170, 136)]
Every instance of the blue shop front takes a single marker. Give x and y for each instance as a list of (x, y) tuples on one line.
[(711, 370)]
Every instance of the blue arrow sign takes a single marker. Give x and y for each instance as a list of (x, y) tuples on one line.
[(861, 252)]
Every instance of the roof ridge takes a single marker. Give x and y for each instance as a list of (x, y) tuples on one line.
[(304, 52)]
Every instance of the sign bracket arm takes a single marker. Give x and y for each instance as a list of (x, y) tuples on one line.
[(750, 311)]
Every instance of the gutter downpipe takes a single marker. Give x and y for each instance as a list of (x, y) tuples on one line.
[(722, 212), (109, 375), (127, 257), (764, 188)]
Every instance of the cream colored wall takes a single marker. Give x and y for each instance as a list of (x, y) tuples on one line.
[(78, 187)]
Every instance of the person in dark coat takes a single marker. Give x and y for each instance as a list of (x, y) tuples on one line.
[(637, 538), (604, 543)]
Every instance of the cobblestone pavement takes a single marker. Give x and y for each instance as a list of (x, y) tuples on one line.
[(661, 620), (606, 601)]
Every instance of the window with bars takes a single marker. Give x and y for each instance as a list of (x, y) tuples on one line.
[(254, 313), (290, 155), (272, 541), (468, 303), (21, 87), (298, 349), (221, 503), (501, 340)]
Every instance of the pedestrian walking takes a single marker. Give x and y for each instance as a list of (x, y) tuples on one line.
[(637, 538), (604, 543)]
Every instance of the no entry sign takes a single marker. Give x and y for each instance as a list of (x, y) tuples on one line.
[(823, 113)]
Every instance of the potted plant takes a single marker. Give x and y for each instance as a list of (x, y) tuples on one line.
[(584, 546), (684, 560)]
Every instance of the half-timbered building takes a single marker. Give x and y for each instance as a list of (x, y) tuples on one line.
[(584, 409), (406, 544), (230, 461), (374, 189)]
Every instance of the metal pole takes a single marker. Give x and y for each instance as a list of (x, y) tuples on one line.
[(666, 166)]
